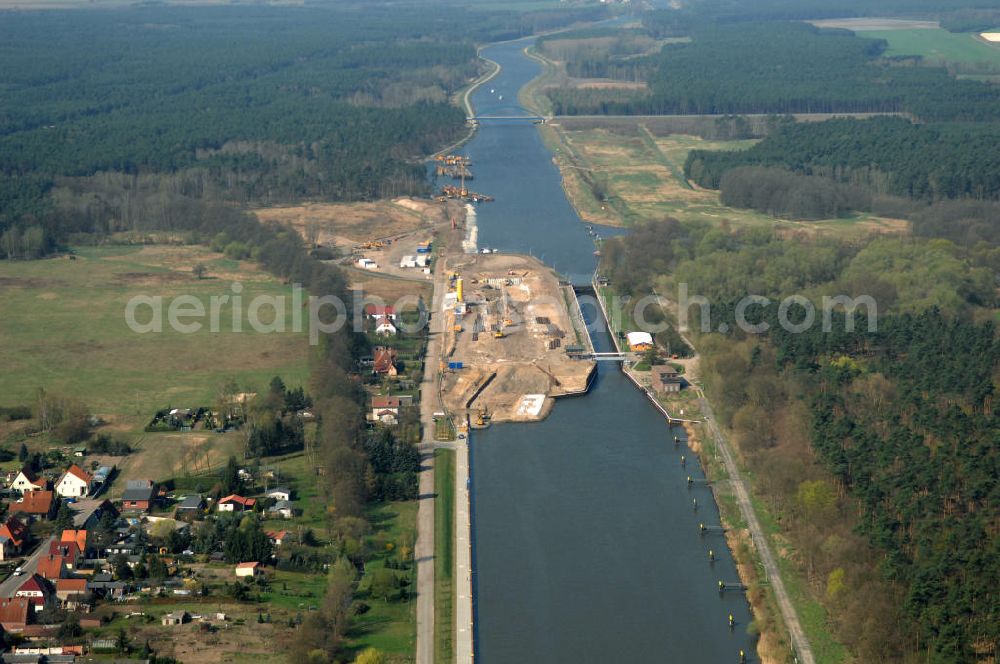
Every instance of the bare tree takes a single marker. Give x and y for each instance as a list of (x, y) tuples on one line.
[(312, 233)]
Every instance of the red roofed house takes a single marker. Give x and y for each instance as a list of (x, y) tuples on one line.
[(26, 481), (69, 552), (277, 536), (13, 535), (14, 614), (37, 591), (74, 483), (234, 503), (71, 591), (37, 503), (248, 569), (51, 567), (385, 408), (376, 311), (384, 361), (79, 537)]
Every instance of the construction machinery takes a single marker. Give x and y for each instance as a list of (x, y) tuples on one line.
[(482, 417), (453, 166), (451, 191)]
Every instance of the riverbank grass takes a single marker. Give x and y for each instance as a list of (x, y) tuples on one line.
[(389, 625), (444, 559)]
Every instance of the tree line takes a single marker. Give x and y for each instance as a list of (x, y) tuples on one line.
[(778, 67), (250, 105), (876, 447), (884, 155), (780, 193)]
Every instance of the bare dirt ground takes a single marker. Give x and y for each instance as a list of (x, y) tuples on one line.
[(530, 358), (353, 223), (227, 641), (606, 84)]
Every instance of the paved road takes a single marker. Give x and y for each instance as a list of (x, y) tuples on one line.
[(424, 549), (799, 641), (10, 585)]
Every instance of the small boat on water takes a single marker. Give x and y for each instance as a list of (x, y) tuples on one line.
[(598, 253)]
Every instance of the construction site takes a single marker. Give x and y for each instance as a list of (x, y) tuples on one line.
[(514, 339), (457, 168)]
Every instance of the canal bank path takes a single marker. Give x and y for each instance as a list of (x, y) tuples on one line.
[(424, 553), (800, 642)]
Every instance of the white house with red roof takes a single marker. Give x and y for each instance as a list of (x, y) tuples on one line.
[(26, 481), (379, 311), (277, 537), (235, 503), (75, 483), (248, 569)]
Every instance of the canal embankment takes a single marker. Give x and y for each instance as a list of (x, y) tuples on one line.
[(745, 538)]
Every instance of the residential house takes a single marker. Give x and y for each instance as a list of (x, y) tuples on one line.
[(103, 586), (71, 592), (639, 341), (235, 503), (75, 536), (385, 328), (138, 496), (51, 567), (40, 504), (68, 551), (282, 508), (384, 363), (277, 537), (175, 618), (88, 513), (248, 569), (280, 493), (74, 483), (13, 536), (26, 480), (15, 614), (37, 590), (378, 311), (386, 409), (192, 504), (665, 378)]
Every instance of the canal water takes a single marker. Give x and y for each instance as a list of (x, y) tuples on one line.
[(586, 539)]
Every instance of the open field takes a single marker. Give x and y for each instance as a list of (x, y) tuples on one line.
[(939, 46), (640, 175), (866, 24), (64, 329)]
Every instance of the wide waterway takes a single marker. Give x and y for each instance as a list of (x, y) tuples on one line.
[(586, 540)]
